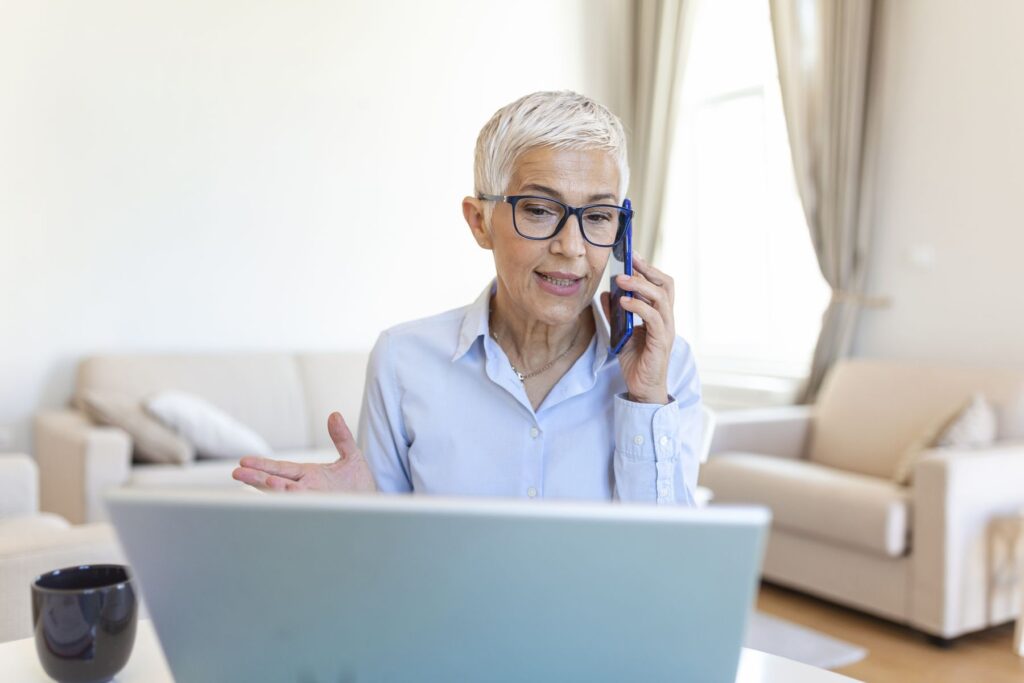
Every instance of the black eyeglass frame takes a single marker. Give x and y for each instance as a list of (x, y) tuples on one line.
[(567, 211)]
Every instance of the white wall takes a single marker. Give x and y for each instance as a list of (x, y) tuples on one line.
[(950, 182), (253, 175)]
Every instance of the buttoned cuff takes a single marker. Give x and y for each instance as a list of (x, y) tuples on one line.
[(645, 444)]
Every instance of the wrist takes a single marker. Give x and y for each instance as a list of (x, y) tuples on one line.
[(660, 397)]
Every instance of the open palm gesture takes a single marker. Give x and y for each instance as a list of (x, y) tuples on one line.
[(348, 473)]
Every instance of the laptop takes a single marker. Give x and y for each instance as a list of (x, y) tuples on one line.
[(317, 588)]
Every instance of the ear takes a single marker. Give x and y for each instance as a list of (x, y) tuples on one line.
[(473, 212)]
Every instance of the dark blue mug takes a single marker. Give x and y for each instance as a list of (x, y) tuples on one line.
[(84, 620)]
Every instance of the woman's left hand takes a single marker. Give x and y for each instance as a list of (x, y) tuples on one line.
[(644, 359)]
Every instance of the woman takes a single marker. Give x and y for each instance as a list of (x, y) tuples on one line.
[(517, 394)]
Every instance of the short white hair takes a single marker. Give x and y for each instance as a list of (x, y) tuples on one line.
[(559, 119)]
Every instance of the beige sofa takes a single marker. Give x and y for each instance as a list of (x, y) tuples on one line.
[(32, 543), (284, 397), (844, 529)]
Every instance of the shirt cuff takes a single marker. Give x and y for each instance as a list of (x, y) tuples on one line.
[(645, 436)]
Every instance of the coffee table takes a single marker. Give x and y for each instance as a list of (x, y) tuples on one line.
[(18, 662)]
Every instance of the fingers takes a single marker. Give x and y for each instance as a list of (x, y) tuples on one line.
[(653, 320), (280, 468), (341, 435), (655, 276), (646, 290), (263, 481), (655, 289)]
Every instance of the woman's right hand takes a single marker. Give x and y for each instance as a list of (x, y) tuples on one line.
[(348, 473)]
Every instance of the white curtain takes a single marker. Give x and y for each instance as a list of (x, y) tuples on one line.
[(661, 39), (824, 50)]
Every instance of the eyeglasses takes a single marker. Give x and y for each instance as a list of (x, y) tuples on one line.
[(541, 218)]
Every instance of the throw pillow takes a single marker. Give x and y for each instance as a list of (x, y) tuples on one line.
[(972, 426), (214, 433), (152, 441)]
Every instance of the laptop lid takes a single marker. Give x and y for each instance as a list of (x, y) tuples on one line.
[(338, 588)]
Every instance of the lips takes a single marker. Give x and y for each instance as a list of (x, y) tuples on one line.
[(559, 278), (558, 283)]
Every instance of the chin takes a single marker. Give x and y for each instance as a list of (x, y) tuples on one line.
[(560, 312)]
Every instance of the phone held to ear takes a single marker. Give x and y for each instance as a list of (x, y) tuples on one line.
[(621, 320)]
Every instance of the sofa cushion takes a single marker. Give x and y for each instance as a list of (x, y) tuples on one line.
[(261, 390), (213, 473), (869, 412), (843, 508), (29, 526), (152, 441)]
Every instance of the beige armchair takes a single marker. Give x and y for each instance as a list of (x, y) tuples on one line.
[(844, 528), (32, 543)]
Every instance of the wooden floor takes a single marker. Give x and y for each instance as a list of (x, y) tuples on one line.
[(898, 654)]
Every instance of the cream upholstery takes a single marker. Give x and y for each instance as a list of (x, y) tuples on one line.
[(263, 391), (77, 460), (32, 543), (213, 473), (285, 398), (19, 486), (955, 494), (843, 528), (842, 573), (821, 502), (869, 412)]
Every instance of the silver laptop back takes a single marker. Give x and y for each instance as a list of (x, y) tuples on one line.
[(359, 589)]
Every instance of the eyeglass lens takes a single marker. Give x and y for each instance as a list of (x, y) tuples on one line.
[(539, 218)]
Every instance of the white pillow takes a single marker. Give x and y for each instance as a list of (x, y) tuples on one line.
[(214, 433), (974, 427)]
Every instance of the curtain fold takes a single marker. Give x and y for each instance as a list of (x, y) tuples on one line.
[(824, 50), (661, 39)]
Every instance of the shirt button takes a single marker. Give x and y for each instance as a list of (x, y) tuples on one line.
[(638, 440), (534, 432), (663, 441), (531, 492)]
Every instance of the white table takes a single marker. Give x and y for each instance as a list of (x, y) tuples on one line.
[(18, 662)]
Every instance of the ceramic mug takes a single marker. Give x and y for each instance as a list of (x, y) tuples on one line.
[(84, 620)]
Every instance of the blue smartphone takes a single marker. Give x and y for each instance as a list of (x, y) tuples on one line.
[(621, 262)]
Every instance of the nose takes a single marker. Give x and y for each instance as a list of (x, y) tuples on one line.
[(569, 240)]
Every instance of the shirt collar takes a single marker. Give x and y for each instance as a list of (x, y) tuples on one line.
[(475, 321), (476, 324)]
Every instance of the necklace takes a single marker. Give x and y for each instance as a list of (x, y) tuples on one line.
[(523, 377)]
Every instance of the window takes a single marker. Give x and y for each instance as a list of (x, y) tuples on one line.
[(749, 294)]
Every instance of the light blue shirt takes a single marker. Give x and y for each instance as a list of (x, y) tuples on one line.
[(444, 414)]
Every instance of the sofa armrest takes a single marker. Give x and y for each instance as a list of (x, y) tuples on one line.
[(77, 461), (780, 431), (19, 485), (32, 551), (956, 494)]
